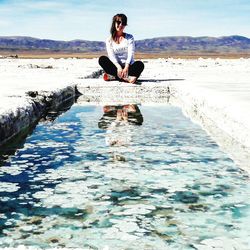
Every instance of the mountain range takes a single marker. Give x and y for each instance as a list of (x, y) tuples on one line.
[(172, 44)]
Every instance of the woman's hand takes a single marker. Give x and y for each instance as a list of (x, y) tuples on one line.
[(119, 72), (125, 71)]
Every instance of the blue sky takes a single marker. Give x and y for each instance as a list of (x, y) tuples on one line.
[(90, 20)]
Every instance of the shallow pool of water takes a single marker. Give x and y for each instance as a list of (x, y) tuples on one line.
[(126, 177)]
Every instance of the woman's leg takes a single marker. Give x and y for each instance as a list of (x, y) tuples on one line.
[(136, 69), (108, 66)]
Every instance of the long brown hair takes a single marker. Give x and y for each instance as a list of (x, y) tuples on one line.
[(117, 17)]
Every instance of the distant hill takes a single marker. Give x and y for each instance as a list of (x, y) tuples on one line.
[(232, 44), (225, 44), (30, 43)]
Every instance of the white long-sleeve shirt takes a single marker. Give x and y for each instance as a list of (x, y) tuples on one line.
[(122, 53)]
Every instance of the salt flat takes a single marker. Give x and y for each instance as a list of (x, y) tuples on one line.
[(213, 92)]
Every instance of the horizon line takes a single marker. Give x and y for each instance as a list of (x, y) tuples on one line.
[(135, 40)]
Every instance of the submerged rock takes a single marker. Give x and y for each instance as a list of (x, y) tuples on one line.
[(36, 220), (185, 197), (198, 207), (117, 157), (163, 212), (53, 240)]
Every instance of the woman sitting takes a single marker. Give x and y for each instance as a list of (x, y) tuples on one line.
[(120, 64)]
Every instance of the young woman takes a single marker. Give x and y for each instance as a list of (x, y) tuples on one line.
[(120, 64)]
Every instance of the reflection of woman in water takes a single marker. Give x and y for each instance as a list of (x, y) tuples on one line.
[(130, 113), (117, 120)]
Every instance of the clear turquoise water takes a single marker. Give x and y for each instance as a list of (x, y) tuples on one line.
[(164, 184)]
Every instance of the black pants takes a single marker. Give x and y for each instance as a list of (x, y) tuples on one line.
[(108, 66)]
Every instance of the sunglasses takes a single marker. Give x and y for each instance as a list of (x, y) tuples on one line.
[(120, 22)]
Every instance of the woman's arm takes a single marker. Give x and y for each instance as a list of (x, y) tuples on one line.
[(112, 55), (131, 49)]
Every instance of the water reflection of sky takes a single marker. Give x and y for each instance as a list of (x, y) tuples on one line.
[(168, 186)]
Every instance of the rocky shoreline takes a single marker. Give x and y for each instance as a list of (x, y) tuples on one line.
[(35, 106)]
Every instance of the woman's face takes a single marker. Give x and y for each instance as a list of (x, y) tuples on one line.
[(119, 25)]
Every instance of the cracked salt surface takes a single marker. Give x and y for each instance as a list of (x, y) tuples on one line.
[(171, 187), (8, 187)]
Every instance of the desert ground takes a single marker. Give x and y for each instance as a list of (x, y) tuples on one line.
[(139, 55)]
